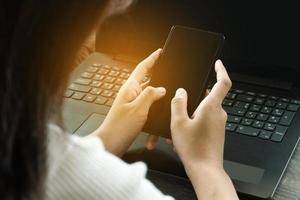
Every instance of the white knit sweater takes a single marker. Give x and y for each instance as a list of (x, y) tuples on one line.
[(80, 168)]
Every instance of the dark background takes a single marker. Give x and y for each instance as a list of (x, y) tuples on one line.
[(260, 35)]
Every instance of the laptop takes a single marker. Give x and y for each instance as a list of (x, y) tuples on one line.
[(260, 53)]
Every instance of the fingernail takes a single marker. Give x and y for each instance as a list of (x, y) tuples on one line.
[(180, 92), (150, 146), (158, 51), (219, 62), (162, 90)]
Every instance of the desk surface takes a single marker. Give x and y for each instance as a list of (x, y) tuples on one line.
[(288, 189)]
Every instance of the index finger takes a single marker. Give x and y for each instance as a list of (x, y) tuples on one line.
[(221, 88), (145, 66)]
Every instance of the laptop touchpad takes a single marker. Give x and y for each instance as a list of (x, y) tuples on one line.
[(244, 173), (72, 120), (90, 125)]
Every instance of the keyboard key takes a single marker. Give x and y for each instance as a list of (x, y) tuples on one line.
[(266, 110), (114, 73), (98, 77), (92, 69), (96, 84), (259, 101), (231, 95), (293, 107), (97, 65), (96, 91), (107, 67), (262, 117), (266, 135), (255, 108), (86, 75), (116, 88), (107, 86), (227, 102), (234, 119), (284, 100), (235, 111), (262, 95), (126, 70), (273, 98), (270, 103), (83, 81), (116, 68), (100, 100), (120, 81), (239, 91), (109, 102), (78, 95), (281, 105), (103, 71), (109, 79), (277, 112), (279, 134), (124, 75), (79, 88), (68, 93), (251, 93), (295, 102), (245, 98), (269, 127), (281, 129), (240, 104), (107, 93), (251, 115), (246, 130), (230, 127), (89, 98), (287, 118), (258, 124), (247, 122), (277, 137), (274, 119)]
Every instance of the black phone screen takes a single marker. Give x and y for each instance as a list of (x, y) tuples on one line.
[(187, 60)]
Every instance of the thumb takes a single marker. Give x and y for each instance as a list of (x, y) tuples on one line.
[(149, 95), (179, 106)]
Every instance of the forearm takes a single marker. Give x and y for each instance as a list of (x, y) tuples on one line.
[(211, 184)]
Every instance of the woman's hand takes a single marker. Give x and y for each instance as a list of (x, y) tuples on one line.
[(130, 109), (201, 137), (199, 140)]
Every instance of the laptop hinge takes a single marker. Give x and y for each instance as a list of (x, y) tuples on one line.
[(278, 84)]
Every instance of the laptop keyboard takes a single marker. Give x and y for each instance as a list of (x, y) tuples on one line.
[(259, 115), (250, 114), (99, 84)]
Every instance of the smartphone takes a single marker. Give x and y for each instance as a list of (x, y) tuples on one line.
[(187, 61)]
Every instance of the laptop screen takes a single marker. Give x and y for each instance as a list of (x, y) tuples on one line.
[(259, 34)]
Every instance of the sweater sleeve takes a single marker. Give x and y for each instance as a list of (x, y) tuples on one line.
[(80, 168)]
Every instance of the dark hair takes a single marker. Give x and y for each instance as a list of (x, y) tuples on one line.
[(39, 40)]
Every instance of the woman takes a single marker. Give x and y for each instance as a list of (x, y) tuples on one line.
[(39, 43)]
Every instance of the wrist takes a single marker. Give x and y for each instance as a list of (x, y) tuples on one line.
[(211, 182), (116, 141), (207, 180), (209, 170)]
